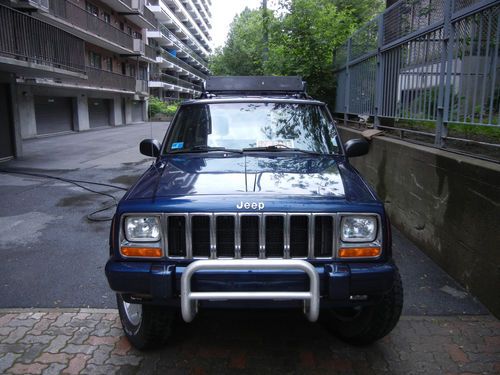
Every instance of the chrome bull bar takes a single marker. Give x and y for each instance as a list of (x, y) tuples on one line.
[(189, 299)]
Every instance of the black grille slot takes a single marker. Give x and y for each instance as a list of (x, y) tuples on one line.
[(176, 236), (323, 236), (225, 236), (250, 236), (274, 236), (200, 229), (299, 236)]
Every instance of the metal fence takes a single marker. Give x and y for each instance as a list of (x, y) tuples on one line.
[(89, 22), (430, 65), (25, 38)]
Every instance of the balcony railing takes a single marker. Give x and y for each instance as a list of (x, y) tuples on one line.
[(180, 45), (109, 80), (150, 52), (189, 85), (28, 39), (141, 86), (149, 16), (162, 77), (174, 60), (79, 17)]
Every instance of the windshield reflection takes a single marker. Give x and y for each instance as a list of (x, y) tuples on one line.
[(248, 125)]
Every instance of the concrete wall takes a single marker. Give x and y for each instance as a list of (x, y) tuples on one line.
[(448, 204)]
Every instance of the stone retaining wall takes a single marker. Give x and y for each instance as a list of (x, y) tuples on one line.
[(448, 204)]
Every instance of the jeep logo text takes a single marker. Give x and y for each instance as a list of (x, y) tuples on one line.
[(250, 205)]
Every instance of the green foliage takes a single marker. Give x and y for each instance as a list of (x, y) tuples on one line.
[(302, 37), (158, 107), (242, 53)]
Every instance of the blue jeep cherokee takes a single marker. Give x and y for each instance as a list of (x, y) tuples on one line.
[(252, 203)]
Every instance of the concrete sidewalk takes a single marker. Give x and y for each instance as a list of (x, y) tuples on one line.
[(90, 341)]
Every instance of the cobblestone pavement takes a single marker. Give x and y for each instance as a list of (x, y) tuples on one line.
[(90, 341)]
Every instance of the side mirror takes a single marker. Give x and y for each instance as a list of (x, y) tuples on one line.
[(356, 147), (150, 147)]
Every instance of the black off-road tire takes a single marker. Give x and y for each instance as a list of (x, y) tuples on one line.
[(153, 329), (368, 324)]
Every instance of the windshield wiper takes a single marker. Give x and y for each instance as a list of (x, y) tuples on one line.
[(204, 148), (278, 148)]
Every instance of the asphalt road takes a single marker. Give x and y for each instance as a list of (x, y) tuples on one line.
[(52, 256)]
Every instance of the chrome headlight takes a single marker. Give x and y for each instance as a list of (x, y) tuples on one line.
[(358, 229), (142, 228)]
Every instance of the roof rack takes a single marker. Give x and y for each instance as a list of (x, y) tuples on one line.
[(255, 85)]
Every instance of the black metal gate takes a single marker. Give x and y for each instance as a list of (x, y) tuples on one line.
[(53, 114), (98, 112), (6, 139)]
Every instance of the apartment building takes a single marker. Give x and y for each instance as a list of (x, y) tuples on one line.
[(74, 65)]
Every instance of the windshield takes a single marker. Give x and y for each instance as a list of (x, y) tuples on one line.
[(259, 126)]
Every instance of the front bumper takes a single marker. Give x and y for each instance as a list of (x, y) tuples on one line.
[(340, 284)]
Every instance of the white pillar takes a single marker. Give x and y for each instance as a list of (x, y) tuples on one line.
[(116, 116), (128, 111), (26, 112), (82, 122)]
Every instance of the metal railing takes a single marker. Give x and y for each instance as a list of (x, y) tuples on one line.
[(109, 80), (79, 17), (141, 86), (41, 4), (180, 45), (174, 60), (192, 40), (189, 85), (25, 38), (431, 65), (166, 78), (150, 52), (149, 16)]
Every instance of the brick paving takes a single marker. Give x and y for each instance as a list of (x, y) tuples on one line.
[(90, 341)]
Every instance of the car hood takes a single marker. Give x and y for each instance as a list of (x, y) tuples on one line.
[(220, 174)]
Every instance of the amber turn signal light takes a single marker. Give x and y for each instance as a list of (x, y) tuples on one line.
[(150, 252), (359, 252)]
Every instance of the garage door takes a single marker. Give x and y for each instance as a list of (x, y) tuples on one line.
[(53, 114), (98, 112), (137, 106), (6, 147)]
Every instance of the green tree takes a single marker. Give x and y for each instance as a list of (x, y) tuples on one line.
[(309, 32), (242, 53), (302, 37), (360, 10)]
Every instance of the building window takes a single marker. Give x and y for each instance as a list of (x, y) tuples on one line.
[(122, 26), (95, 60), (129, 30), (108, 63), (132, 70), (91, 8), (107, 17), (137, 35)]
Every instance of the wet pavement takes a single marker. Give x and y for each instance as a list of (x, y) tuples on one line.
[(53, 260)]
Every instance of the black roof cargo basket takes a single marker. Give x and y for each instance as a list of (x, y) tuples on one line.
[(255, 85)]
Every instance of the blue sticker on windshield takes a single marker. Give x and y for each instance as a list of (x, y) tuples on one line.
[(177, 145)]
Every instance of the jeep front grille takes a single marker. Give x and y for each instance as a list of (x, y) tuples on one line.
[(248, 235)]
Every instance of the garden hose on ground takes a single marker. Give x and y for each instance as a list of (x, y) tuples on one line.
[(91, 216)]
